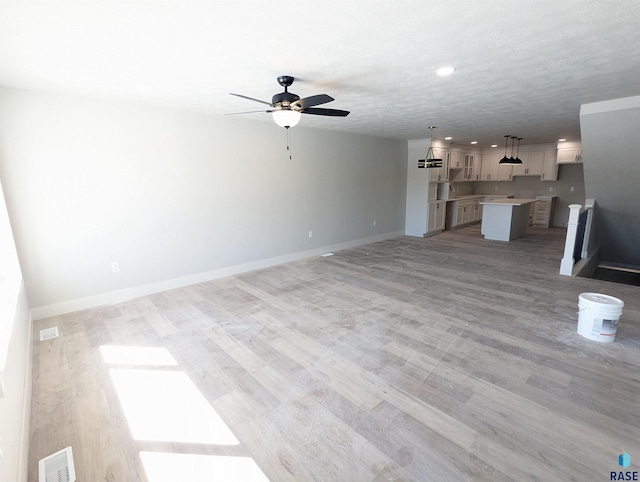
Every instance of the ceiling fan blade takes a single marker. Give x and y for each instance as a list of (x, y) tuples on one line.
[(329, 112), (249, 112), (251, 98), (312, 100)]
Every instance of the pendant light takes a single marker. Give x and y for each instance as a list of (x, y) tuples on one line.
[(511, 161), (518, 161), (430, 161), (505, 159)]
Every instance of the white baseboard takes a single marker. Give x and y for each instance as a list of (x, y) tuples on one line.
[(119, 296)]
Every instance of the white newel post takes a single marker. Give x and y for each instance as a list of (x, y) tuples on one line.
[(566, 265)]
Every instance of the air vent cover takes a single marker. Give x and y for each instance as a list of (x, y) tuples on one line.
[(57, 467), (49, 333)]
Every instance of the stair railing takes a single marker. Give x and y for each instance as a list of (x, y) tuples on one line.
[(579, 247)]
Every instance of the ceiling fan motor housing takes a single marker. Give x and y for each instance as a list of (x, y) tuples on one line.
[(284, 99)]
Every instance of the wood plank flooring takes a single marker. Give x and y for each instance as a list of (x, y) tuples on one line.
[(437, 359)]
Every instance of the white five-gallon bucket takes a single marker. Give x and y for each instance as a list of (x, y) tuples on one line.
[(598, 316)]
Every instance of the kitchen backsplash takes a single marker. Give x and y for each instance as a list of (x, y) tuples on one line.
[(461, 188)]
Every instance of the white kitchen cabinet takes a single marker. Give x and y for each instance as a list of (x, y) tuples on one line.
[(456, 159), (569, 154), (549, 167), (463, 167), (531, 164), (436, 217), (492, 170), (543, 211), (462, 214), (464, 211), (489, 167), (476, 213), (456, 166), (440, 174), (469, 168), (537, 163)]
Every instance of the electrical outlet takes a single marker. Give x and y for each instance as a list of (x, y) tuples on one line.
[(375, 222), (551, 189), (572, 189), (310, 234), (115, 267)]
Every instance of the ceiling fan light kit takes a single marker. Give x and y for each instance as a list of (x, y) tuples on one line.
[(286, 117), (287, 107)]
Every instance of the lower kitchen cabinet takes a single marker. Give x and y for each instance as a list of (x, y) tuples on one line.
[(435, 217), (463, 211), (543, 211)]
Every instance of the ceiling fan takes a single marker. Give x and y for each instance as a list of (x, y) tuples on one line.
[(287, 107)]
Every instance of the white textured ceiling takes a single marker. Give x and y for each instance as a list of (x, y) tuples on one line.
[(522, 67)]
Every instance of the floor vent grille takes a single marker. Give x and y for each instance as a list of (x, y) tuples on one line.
[(57, 467), (49, 333)]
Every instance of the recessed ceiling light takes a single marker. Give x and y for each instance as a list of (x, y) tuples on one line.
[(474, 142), (494, 145), (444, 71), (561, 140), (448, 138)]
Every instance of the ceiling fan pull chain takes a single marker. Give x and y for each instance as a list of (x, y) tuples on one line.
[(289, 141)]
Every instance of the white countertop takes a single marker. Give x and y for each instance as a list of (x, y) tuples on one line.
[(510, 201), (466, 196)]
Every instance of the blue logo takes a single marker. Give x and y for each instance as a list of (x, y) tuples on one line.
[(624, 460)]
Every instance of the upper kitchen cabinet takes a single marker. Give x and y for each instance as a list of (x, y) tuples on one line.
[(549, 167), (456, 160), (491, 169), (440, 174), (569, 152), (538, 160), (464, 165), (531, 164)]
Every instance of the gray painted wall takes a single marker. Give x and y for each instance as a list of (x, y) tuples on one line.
[(611, 157), (169, 194)]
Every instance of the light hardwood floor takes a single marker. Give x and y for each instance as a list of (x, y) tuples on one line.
[(446, 358)]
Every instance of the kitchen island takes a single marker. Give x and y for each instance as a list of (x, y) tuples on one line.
[(505, 219)]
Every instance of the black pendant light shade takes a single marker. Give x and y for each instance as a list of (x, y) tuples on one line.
[(505, 159), (517, 160), (430, 161), (511, 161)]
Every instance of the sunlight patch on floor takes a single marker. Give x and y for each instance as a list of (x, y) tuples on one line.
[(171, 467), (162, 405), (137, 355)]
